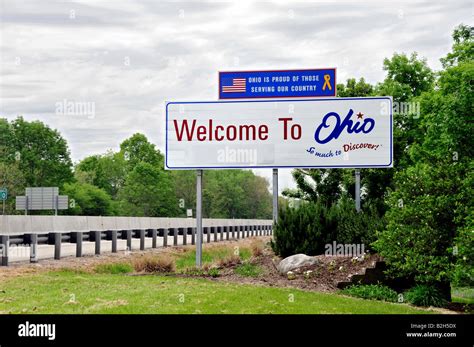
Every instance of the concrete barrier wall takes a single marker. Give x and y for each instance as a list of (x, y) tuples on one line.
[(16, 225)]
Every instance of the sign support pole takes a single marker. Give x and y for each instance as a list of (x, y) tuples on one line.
[(357, 189), (199, 219), (275, 195)]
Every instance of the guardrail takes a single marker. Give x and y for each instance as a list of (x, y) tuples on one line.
[(29, 231)]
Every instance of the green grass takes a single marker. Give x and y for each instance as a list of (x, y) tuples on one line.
[(72, 292), (248, 270), (210, 255), (117, 268), (464, 295), (372, 292)]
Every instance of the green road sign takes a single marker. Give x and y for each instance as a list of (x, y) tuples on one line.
[(3, 193)]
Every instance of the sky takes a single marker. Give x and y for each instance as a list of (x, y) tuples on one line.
[(121, 60)]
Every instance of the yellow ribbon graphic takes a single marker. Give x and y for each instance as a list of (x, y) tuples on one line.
[(327, 82)]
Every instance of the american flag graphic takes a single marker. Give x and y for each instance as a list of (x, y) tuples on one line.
[(233, 85)]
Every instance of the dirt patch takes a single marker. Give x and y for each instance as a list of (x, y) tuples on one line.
[(324, 276)]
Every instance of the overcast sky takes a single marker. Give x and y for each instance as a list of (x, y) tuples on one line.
[(126, 58)]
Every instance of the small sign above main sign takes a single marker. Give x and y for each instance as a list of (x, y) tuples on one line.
[(277, 84)]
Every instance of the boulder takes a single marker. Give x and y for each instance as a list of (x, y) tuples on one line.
[(294, 262)]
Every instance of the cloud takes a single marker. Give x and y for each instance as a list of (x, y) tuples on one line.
[(128, 57)]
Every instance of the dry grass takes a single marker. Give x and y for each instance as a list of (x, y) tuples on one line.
[(257, 248), (155, 263)]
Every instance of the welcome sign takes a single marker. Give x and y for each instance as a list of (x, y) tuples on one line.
[(309, 133)]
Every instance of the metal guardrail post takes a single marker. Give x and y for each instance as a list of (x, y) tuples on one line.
[(33, 248), (129, 239), (193, 235), (79, 244), (142, 239), (5, 244), (185, 235), (175, 236), (165, 237), (154, 233), (57, 246), (114, 240), (97, 239)]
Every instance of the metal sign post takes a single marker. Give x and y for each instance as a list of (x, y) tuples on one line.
[(357, 189), (199, 219), (275, 195)]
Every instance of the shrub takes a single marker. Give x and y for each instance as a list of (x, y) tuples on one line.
[(356, 227), (424, 295), (302, 230), (117, 268), (154, 263), (310, 227), (372, 292), (248, 270)]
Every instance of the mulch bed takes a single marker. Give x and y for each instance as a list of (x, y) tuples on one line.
[(326, 274)]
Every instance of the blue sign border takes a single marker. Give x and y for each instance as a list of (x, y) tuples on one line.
[(221, 97), (389, 165)]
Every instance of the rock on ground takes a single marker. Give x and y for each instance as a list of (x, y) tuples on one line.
[(295, 261)]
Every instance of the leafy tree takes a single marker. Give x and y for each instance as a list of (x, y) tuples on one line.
[(184, 183), (407, 77), (88, 200), (41, 153), (11, 178), (148, 191), (137, 149), (354, 88), (431, 207), (235, 194), (106, 171)]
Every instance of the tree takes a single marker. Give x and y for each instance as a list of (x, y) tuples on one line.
[(407, 77), (41, 153), (184, 183), (106, 171), (148, 191), (431, 206), (354, 88), (137, 149), (11, 178), (235, 194), (88, 200)]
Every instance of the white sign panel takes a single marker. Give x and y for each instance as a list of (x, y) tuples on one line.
[(317, 133)]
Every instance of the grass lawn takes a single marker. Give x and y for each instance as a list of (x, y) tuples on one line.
[(77, 292)]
